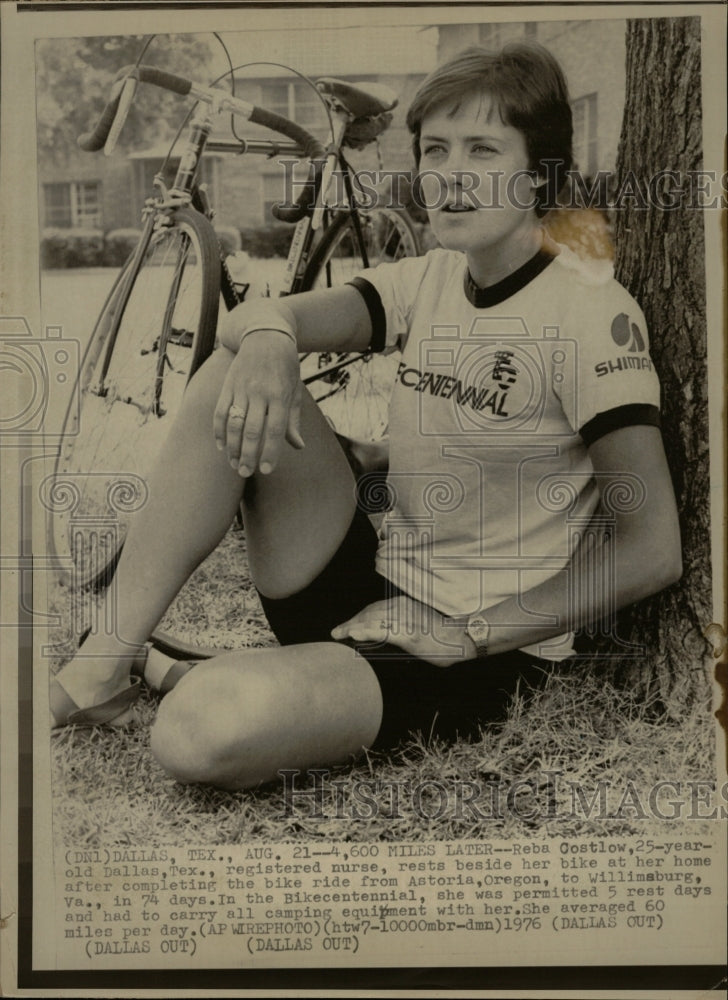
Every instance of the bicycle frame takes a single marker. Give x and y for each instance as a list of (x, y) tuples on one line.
[(185, 191), (198, 142)]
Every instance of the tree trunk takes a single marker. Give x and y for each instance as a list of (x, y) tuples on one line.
[(660, 258)]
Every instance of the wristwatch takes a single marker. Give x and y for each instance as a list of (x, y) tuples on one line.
[(478, 629)]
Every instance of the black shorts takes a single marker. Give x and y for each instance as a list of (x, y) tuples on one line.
[(445, 702)]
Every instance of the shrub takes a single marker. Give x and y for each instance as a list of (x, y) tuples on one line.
[(72, 248), (229, 238), (267, 241), (118, 244)]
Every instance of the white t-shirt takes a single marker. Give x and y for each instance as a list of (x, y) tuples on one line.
[(498, 394)]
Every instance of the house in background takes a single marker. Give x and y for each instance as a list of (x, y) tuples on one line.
[(93, 192)]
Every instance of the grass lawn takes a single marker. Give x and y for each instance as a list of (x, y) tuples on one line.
[(108, 789)]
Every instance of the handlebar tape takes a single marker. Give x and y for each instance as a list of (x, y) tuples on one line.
[(308, 143), (312, 149), (94, 140), (168, 81)]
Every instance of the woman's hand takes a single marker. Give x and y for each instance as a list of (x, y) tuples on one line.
[(260, 403), (414, 627)]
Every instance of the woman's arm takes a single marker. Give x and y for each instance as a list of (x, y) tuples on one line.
[(332, 319), (638, 554), (259, 405)]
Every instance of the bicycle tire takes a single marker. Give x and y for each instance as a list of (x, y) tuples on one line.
[(157, 326), (355, 396)]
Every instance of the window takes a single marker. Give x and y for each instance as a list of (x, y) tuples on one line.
[(584, 113), (295, 100), (489, 36), (58, 205), (309, 109), (275, 98), (87, 210), (73, 204)]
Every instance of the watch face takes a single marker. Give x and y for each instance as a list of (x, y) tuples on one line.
[(478, 629)]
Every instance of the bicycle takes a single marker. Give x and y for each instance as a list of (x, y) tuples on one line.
[(159, 320)]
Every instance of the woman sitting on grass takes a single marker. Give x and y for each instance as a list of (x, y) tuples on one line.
[(525, 410)]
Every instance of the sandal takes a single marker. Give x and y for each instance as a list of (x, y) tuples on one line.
[(175, 673), (64, 708), (184, 655)]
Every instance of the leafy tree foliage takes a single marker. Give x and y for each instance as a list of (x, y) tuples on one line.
[(74, 77)]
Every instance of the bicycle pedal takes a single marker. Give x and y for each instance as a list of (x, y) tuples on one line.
[(182, 338)]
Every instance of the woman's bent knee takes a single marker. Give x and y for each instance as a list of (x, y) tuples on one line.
[(237, 720), (203, 732)]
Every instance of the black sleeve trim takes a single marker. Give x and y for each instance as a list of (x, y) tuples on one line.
[(621, 416), (376, 311)]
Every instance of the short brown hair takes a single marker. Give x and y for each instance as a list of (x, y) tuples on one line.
[(528, 86)]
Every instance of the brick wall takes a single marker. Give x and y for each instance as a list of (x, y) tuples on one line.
[(117, 205), (593, 54), (114, 175)]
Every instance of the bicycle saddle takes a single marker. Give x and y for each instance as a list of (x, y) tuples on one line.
[(360, 102)]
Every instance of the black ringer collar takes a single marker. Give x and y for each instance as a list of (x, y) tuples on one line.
[(481, 298)]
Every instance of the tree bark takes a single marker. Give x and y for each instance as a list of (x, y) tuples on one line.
[(660, 259)]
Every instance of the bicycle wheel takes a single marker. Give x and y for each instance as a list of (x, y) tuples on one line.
[(353, 390), (155, 329)]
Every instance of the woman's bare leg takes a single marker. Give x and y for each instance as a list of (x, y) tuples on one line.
[(236, 720), (295, 520)]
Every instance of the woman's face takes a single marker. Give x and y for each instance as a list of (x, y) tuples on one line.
[(475, 182)]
